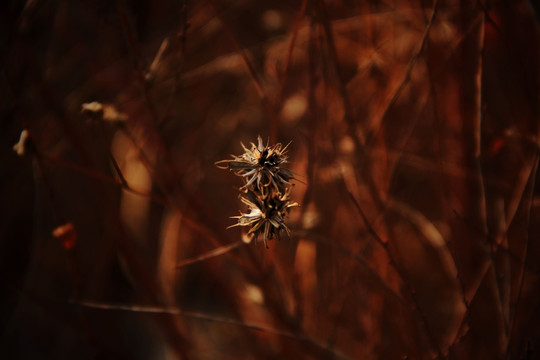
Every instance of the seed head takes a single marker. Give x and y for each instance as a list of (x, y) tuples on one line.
[(266, 214), (266, 190), (261, 166)]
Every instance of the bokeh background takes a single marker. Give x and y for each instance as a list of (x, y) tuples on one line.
[(414, 131)]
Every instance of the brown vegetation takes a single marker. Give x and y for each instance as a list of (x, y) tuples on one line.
[(414, 129)]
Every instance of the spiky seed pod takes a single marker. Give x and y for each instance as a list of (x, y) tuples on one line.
[(261, 166), (266, 214), (266, 190)]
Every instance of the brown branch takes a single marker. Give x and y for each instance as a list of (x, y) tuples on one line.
[(290, 49), (394, 264), (407, 74), (514, 309), (322, 14), (210, 254), (212, 318), (249, 67), (359, 260)]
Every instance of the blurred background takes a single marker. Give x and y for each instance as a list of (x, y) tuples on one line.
[(414, 139)]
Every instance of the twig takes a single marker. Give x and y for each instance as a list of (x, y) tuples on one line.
[(359, 260), (407, 75), (212, 318), (290, 49), (279, 100), (349, 111), (251, 70), (477, 128), (102, 177), (393, 263), (210, 254), (514, 310)]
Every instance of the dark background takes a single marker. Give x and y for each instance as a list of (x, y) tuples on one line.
[(414, 129)]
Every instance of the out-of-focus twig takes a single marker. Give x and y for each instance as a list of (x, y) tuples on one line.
[(249, 66), (322, 14), (526, 258), (213, 318), (317, 238), (416, 304), (406, 75), (210, 254)]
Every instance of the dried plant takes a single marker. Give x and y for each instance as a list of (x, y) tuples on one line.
[(267, 214), (415, 125), (266, 190), (261, 165)]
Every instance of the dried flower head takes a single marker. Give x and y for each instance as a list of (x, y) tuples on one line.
[(266, 214), (266, 190), (261, 166)]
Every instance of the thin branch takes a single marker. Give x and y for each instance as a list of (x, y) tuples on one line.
[(290, 49), (514, 310), (359, 260), (189, 220), (407, 74), (394, 264), (460, 334), (322, 13), (102, 177), (477, 127), (211, 254), (212, 318), (298, 22), (250, 69)]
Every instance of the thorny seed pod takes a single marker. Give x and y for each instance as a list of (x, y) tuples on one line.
[(261, 165), (266, 189), (266, 215)]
